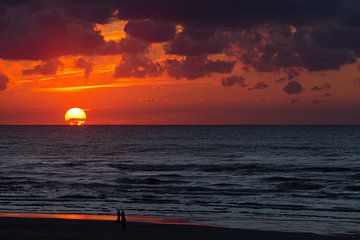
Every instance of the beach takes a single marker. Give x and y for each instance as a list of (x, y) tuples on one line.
[(61, 229)]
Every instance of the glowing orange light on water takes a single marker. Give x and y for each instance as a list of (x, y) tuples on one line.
[(75, 117), (71, 216)]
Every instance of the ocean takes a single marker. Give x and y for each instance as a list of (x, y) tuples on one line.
[(285, 178)]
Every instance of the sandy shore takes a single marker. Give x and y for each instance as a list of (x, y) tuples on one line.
[(56, 229)]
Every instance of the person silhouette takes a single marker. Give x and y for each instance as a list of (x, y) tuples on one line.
[(123, 219), (118, 216)]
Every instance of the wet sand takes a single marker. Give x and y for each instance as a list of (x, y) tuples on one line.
[(61, 229)]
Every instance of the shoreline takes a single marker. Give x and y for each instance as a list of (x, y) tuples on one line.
[(78, 226), (98, 217)]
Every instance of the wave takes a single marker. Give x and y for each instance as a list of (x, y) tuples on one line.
[(287, 179), (79, 196), (298, 185), (18, 181), (73, 164), (273, 206), (232, 167), (356, 176), (199, 167), (152, 200), (328, 169), (148, 180), (170, 175), (353, 188)]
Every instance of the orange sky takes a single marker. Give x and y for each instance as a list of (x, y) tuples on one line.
[(43, 99)]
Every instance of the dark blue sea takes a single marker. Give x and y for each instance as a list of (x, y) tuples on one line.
[(286, 178)]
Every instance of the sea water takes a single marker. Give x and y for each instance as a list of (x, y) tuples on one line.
[(284, 178)]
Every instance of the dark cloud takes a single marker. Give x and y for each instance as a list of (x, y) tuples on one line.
[(325, 59), (188, 46), (48, 33), (322, 87), (42, 30), (129, 45), (266, 48), (150, 31), (197, 67), (280, 47), (266, 35), (90, 10), (4, 80), (198, 32), (134, 65), (293, 87), (239, 13), (291, 74), (49, 67), (259, 86), (82, 63), (219, 66), (338, 38), (233, 80)]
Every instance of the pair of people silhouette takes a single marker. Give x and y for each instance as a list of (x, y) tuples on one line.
[(121, 218)]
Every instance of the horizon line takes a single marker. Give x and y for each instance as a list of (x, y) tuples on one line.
[(184, 124)]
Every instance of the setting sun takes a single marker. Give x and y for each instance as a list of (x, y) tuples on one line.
[(75, 117)]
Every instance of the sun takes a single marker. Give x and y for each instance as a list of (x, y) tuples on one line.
[(75, 117)]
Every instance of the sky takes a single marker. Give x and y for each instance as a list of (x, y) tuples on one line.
[(180, 62)]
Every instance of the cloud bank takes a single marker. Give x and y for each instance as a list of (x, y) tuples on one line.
[(261, 35)]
